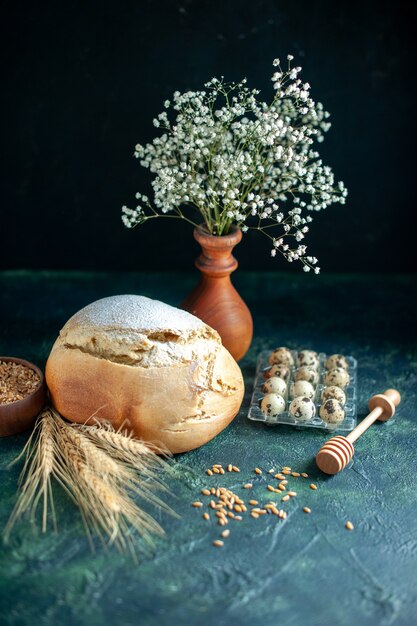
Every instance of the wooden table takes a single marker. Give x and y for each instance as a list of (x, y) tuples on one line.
[(306, 570)]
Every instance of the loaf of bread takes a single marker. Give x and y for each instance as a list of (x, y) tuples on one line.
[(147, 367)]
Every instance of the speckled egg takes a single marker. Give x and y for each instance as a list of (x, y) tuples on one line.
[(308, 358), (334, 392), (302, 409), (272, 405), (336, 360), (337, 376), (283, 356), (302, 388), (280, 370), (275, 385), (332, 412), (309, 374)]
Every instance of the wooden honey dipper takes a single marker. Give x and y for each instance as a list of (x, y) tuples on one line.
[(338, 451)]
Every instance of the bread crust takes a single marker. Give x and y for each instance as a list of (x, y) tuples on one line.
[(182, 405)]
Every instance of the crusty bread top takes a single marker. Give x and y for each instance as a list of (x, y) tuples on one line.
[(132, 312), (135, 330)]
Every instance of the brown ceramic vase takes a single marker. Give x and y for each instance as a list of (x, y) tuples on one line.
[(214, 300)]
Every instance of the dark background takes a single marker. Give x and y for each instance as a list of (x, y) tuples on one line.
[(82, 81)]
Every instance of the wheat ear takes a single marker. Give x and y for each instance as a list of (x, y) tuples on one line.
[(105, 503), (146, 458), (133, 452), (109, 467), (35, 478), (100, 473)]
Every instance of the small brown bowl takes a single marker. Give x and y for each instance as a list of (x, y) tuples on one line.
[(20, 415)]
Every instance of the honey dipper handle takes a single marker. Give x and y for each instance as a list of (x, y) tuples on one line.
[(393, 395), (382, 407), (364, 425)]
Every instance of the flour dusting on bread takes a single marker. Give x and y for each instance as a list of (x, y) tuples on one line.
[(135, 330)]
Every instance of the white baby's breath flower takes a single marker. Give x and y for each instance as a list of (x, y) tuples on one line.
[(239, 160)]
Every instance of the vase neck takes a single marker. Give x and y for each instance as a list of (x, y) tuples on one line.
[(216, 258)]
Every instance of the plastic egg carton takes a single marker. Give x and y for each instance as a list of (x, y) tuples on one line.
[(350, 390)]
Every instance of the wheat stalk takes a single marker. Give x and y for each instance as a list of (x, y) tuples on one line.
[(147, 458), (106, 507), (125, 446), (35, 478), (113, 471), (100, 469)]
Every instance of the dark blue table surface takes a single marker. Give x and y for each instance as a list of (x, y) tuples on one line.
[(306, 570)]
